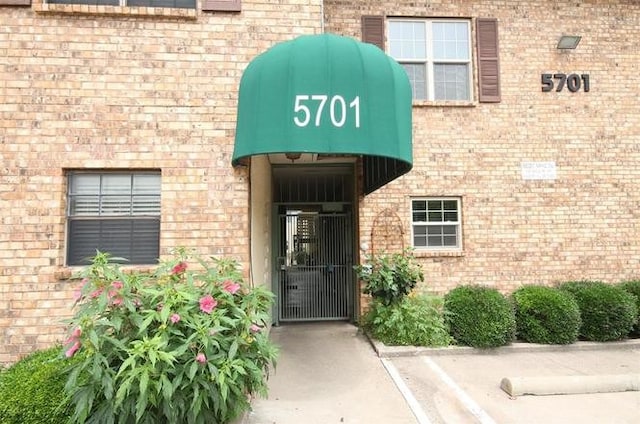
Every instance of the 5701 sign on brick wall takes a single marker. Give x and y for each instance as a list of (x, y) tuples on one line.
[(573, 82)]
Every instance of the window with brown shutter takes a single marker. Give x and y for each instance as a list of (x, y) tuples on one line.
[(438, 59), (488, 60), (15, 2), (221, 5), (436, 54), (373, 30)]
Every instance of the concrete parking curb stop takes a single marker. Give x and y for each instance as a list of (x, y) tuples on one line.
[(570, 384)]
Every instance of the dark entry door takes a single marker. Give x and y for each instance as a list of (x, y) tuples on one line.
[(315, 261)]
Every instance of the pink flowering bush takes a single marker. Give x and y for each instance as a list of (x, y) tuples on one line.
[(171, 346)]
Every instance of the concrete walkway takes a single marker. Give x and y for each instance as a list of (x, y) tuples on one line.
[(328, 373)]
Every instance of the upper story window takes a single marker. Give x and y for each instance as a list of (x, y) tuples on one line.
[(435, 223), (180, 4), (436, 55), (113, 212)]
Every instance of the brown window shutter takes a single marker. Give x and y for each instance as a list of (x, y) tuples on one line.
[(373, 30), (15, 2), (488, 60), (221, 5)]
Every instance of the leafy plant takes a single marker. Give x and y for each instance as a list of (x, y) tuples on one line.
[(479, 316), (608, 312), (389, 278), (633, 287), (173, 346), (32, 389), (546, 315), (416, 320)]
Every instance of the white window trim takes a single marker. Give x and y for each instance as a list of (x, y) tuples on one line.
[(458, 223), (429, 61)]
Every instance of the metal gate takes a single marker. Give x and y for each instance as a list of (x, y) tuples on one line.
[(315, 261)]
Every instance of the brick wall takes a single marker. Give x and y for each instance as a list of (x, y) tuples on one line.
[(82, 89), (94, 91), (584, 224)]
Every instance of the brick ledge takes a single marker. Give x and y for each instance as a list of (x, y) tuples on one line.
[(438, 253), (443, 103), (67, 273), (87, 9)]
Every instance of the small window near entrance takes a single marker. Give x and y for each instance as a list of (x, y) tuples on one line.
[(435, 223)]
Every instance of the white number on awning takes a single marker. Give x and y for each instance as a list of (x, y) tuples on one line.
[(308, 107)]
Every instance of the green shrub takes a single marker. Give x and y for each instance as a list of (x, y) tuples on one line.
[(575, 286), (608, 312), (32, 390), (479, 316), (416, 320), (389, 278), (546, 315), (176, 346), (633, 287)]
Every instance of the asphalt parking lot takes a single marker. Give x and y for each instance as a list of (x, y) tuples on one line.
[(331, 373)]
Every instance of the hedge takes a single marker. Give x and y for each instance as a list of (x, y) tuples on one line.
[(479, 316), (546, 315), (32, 390), (608, 312)]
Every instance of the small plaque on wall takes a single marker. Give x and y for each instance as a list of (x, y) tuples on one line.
[(538, 170)]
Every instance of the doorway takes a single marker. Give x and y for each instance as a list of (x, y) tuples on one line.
[(314, 243)]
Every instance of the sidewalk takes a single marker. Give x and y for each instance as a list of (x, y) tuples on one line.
[(328, 373)]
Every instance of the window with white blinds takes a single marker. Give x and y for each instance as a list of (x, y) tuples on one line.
[(114, 212)]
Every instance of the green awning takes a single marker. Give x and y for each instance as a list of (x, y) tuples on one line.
[(327, 94)]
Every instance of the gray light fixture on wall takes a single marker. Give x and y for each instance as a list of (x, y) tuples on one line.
[(567, 42)]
